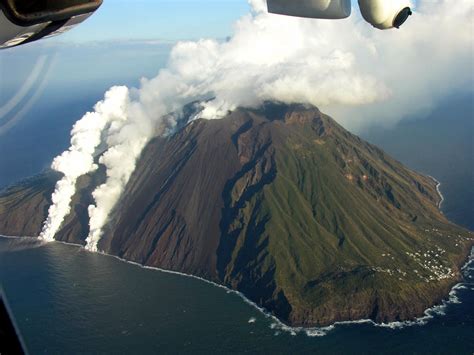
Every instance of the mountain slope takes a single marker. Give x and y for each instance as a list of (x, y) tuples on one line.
[(283, 204)]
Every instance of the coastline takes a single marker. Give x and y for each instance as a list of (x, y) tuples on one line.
[(277, 324), (438, 189)]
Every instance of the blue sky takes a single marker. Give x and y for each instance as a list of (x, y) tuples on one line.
[(160, 19)]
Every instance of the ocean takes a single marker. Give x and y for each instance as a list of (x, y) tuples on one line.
[(67, 300)]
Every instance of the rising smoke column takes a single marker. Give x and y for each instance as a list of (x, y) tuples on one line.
[(346, 64), (126, 139), (79, 158)]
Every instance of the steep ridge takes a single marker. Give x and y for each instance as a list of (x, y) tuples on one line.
[(282, 204)]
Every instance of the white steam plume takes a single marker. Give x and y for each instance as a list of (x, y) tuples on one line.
[(79, 158), (126, 139), (342, 66)]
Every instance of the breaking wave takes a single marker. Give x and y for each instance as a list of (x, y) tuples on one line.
[(276, 324)]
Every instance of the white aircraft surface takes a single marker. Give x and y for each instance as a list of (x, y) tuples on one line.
[(25, 21), (382, 14)]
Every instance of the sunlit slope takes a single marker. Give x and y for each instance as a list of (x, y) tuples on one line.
[(23, 206), (334, 224), (283, 204), (303, 217)]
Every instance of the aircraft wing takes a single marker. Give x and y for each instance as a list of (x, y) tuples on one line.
[(323, 9), (24, 21), (382, 14)]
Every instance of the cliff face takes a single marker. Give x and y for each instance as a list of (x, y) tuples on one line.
[(281, 203), (23, 206)]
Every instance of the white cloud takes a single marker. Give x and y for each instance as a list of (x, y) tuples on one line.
[(345, 67), (79, 158)]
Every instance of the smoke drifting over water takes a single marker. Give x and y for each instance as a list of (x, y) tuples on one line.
[(125, 141), (344, 67), (78, 160)]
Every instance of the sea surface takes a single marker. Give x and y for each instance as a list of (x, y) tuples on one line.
[(66, 300), (440, 145)]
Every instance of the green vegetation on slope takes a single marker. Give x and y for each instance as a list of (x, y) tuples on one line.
[(346, 231), (280, 203)]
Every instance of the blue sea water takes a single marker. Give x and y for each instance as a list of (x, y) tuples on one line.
[(66, 300), (440, 145)]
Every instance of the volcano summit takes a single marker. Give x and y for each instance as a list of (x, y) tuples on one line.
[(280, 203)]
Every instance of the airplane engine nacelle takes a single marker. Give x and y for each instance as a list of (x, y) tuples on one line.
[(385, 14), (323, 9)]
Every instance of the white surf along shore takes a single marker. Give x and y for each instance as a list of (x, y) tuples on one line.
[(438, 189), (278, 325)]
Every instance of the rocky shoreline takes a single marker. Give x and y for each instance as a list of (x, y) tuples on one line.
[(422, 319), (438, 189), (305, 219)]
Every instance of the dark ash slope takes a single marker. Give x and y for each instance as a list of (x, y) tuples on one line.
[(283, 204)]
